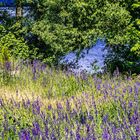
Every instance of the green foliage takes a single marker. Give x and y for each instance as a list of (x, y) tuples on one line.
[(114, 22), (125, 46), (136, 48), (59, 26), (62, 27), (16, 47), (136, 45), (12, 46), (74, 25)]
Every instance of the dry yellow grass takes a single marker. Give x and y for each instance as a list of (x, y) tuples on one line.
[(85, 99)]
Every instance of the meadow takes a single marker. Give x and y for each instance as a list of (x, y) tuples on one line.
[(42, 103)]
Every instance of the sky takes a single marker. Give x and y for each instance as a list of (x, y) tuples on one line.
[(7, 2)]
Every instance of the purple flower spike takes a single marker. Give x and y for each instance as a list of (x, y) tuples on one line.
[(136, 90), (130, 89), (71, 134), (106, 135), (53, 136), (105, 118), (34, 69), (47, 132), (138, 130), (24, 135), (98, 87), (36, 106), (78, 137), (59, 106), (130, 104), (66, 130), (68, 105), (36, 130), (134, 138), (8, 66), (88, 128), (49, 107), (90, 117), (138, 83)]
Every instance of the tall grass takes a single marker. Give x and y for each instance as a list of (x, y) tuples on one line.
[(38, 102)]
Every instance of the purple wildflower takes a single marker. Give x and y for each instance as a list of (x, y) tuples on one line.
[(78, 137), (36, 106), (130, 104), (8, 66), (36, 129), (49, 107), (71, 134), (90, 117), (47, 132), (88, 128), (98, 87), (59, 106), (24, 135), (68, 105), (106, 135), (105, 118), (130, 89), (138, 130), (138, 83)]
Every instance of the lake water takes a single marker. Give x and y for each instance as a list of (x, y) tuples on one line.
[(90, 60)]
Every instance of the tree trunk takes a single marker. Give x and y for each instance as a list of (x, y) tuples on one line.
[(19, 10)]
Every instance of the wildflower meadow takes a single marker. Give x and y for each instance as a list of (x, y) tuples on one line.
[(42, 103)]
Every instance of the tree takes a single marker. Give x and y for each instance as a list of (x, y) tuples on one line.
[(73, 25), (136, 24), (60, 26), (123, 45), (133, 30), (12, 44)]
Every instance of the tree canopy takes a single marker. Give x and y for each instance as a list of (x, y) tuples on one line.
[(56, 27)]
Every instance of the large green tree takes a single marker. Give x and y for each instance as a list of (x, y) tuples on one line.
[(136, 24), (73, 25), (126, 56), (12, 44), (57, 27)]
